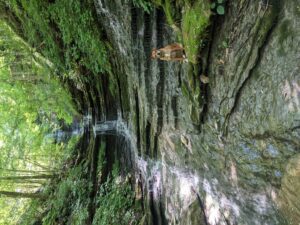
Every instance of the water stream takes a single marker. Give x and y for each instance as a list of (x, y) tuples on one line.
[(158, 179)]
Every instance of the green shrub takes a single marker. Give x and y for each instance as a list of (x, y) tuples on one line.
[(65, 31), (144, 4), (116, 202), (69, 203), (80, 35), (218, 7)]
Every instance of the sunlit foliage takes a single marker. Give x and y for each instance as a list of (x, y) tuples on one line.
[(32, 106), (65, 32)]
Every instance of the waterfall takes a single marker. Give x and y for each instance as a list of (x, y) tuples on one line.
[(158, 179), (186, 177), (173, 191)]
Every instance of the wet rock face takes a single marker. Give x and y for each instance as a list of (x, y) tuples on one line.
[(240, 168), (255, 100)]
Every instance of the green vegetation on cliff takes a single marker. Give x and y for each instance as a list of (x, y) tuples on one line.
[(65, 32), (190, 20)]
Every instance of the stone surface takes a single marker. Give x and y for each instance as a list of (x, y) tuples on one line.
[(235, 166)]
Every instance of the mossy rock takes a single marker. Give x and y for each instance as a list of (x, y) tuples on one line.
[(195, 114), (195, 21)]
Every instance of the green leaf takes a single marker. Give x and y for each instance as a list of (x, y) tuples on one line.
[(213, 5), (220, 10), (220, 1)]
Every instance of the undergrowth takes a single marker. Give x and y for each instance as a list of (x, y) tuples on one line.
[(144, 4), (69, 200), (65, 32), (115, 202), (70, 184)]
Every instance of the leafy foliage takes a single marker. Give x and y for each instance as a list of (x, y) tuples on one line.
[(32, 104), (189, 19), (115, 202), (218, 7), (64, 31), (144, 4), (69, 203), (57, 191), (31, 101)]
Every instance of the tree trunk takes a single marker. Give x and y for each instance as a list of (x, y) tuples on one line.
[(12, 194), (42, 176)]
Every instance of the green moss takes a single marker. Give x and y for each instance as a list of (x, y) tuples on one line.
[(189, 19), (284, 31), (172, 13), (195, 114), (185, 90), (169, 12), (195, 21), (116, 202)]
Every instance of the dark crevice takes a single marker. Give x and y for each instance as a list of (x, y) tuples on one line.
[(257, 62), (140, 186), (134, 23), (167, 113), (160, 20), (155, 148), (295, 128), (179, 78), (104, 88), (99, 103), (148, 138), (162, 214), (138, 129), (90, 98), (124, 155), (111, 112), (154, 214), (201, 205), (138, 54), (174, 105), (109, 156), (147, 52), (204, 87), (93, 178), (120, 96)]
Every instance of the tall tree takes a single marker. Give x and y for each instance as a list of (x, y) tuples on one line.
[(13, 194)]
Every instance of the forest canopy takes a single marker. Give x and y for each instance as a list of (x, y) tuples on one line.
[(33, 106)]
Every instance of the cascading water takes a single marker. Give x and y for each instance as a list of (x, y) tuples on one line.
[(172, 190), (157, 177)]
